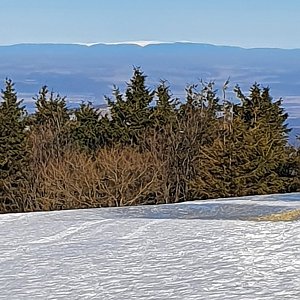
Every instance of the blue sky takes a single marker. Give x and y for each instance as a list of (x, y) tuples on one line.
[(246, 23)]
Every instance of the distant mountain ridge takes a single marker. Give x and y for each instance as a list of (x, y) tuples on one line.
[(88, 72), (179, 62)]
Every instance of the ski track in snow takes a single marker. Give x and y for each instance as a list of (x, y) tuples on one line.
[(92, 254)]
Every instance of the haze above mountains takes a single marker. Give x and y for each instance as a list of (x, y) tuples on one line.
[(88, 72)]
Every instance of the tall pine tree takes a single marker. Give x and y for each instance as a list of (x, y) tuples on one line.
[(130, 113), (51, 123), (13, 151), (51, 109), (266, 139), (249, 150), (165, 111)]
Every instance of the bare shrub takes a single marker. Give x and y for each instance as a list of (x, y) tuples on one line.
[(128, 177), (74, 179)]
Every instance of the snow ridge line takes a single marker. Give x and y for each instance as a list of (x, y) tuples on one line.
[(70, 231)]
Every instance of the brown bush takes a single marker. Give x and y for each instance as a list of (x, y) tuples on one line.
[(111, 177), (128, 177)]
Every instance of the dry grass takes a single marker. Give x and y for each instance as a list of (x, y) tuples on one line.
[(291, 215)]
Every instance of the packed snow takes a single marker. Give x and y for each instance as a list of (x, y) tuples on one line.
[(194, 250)]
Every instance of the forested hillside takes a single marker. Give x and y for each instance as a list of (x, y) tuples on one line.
[(149, 149)]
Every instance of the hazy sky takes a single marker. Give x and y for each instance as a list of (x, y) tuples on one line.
[(247, 23)]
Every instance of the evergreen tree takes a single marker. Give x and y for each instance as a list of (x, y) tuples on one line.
[(196, 127), (201, 108), (250, 150), (222, 164), (267, 129), (90, 130), (130, 113), (51, 110), (266, 137), (205, 100), (165, 111), (51, 122), (13, 151), (259, 107)]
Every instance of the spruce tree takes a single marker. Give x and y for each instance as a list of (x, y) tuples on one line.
[(51, 122), (130, 113), (267, 128), (165, 110), (200, 112), (221, 164), (259, 107), (90, 130), (196, 127), (50, 109), (13, 151), (249, 151)]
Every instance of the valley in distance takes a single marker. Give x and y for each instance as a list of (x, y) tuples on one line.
[(88, 72)]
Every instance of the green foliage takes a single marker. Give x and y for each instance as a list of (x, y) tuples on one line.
[(130, 113), (164, 150), (90, 130), (259, 107), (165, 111), (13, 152), (267, 130), (195, 126), (203, 106), (51, 121), (249, 151), (50, 110), (205, 100)]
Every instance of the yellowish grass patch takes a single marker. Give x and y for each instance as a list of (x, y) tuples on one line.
[(291, 215)]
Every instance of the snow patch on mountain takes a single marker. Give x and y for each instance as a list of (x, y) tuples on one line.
[(138, 43)]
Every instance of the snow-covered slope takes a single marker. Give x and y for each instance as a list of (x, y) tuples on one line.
[(196, 250)]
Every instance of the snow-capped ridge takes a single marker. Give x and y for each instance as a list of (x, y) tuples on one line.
[(137, 43)]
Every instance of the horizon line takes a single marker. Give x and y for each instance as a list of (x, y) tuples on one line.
[(145, 43)]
